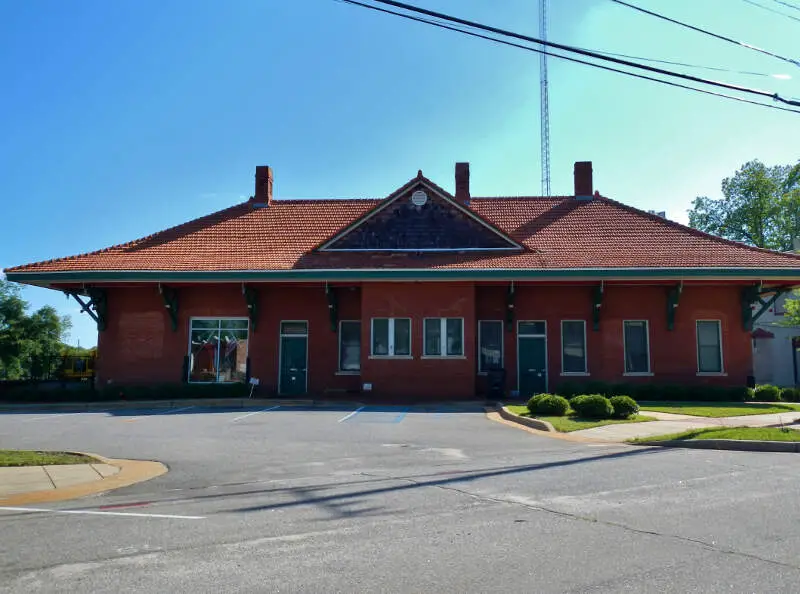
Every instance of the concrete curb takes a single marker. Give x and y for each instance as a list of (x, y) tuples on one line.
[(527, 421), (500, 414), (130, 473), (741, 445)]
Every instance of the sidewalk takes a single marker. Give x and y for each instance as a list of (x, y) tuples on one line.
[(23, 479), (25, 485), (670, 423)]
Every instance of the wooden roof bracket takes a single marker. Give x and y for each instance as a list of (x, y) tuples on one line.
[(96, 307), (170, 297), (597, 303), (510, 295), (751, 295), (251, 299), (333, 306), (673, 299)]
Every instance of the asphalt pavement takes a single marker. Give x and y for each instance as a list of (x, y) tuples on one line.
[(396, 499)]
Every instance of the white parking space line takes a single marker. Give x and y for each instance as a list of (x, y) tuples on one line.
[(355, 412), (100, 513), (53, 416), (255, 413), (165, 412)]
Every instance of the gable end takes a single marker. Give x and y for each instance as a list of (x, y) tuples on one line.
[(420, 217)]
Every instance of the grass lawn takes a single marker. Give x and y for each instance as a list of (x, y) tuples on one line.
[(744, 433), (719, 409), (34, 458), (575, 423)]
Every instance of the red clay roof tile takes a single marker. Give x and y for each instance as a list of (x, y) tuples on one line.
[(557, 232)]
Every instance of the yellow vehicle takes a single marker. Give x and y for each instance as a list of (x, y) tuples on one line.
[(77, 367)]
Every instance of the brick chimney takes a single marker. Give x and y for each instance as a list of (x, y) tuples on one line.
[(263, 193), (462, 183), (583, 180)]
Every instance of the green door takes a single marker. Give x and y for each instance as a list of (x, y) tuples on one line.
[(532, 357), (293, 378)]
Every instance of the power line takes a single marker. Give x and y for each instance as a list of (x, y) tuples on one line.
[(772, 10), (688, 65), (567, 58), (789, 4), (568, 48), (704, 31)]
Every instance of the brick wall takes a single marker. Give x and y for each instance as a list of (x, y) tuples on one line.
[(140, 346)]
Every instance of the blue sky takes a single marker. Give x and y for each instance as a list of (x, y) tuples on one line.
[(118, 119)]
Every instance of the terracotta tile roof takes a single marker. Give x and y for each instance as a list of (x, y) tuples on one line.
[(557, 233)]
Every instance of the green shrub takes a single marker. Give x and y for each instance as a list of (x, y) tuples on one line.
[(550, 406), (624, 406), (790, 394), (534, 401), (592, 406), (768, 393)]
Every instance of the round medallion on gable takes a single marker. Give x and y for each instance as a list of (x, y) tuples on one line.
[(419, 198)]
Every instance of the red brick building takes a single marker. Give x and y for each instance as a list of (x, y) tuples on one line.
[(421, 293)]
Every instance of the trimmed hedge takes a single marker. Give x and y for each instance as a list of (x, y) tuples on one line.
[(548, 405), (624, 406), (767, 393), (651, 391), (592, 406), (82, 393), (790, 395)]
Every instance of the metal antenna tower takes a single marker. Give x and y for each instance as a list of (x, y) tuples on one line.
[(544, 102)]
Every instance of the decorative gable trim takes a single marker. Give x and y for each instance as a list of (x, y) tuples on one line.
[(424, 182)]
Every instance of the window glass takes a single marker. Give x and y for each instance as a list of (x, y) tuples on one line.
[(455, 337), (433, 337), (218, 353), (380, 336), (637, 359), (709, 351), (350, 346), (531, 327), (573, 344), (402, 336), (490, 349)]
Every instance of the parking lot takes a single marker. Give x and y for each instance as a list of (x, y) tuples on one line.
[(358, 498)]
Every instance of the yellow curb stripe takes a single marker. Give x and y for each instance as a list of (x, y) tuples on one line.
[(130, 473)]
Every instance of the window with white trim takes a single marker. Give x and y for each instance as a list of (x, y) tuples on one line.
[(391, 337), (490, 345), (218, 350), (350, 345), (709, 346), (636, 346), (573, 346), (443, 337)]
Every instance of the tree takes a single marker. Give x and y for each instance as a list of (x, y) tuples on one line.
[(792, 307), (760, 207), (27, 342)]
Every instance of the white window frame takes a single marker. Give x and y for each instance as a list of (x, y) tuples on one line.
[(625, 350), (189, 346), (339, 370), (585, 371), (391, 354), (502, 345), (721, 350), (442, 354)]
